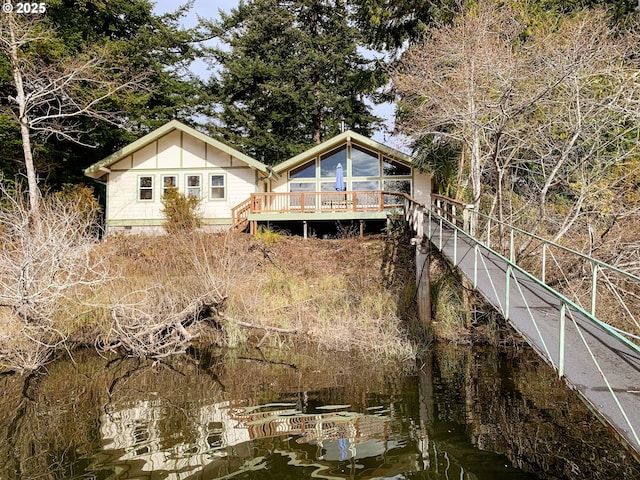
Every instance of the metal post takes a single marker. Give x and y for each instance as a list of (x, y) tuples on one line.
[(544, 263), (475, 265), (429, 227), (563, 308), (506, 293), (594, 279), (511, 247), (440, 240), (455, 247)]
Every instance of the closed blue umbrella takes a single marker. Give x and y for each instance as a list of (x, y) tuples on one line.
[(340, 185)]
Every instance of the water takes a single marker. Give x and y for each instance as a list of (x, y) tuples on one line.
[(464, 414)]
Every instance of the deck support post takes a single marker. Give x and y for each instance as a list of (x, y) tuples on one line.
[(304, 229), (361, 228), (423, 294)]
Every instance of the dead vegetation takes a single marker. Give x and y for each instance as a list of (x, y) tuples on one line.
[(150, 297), (340, 295)]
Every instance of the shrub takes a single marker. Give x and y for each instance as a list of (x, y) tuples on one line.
[(180, 212)]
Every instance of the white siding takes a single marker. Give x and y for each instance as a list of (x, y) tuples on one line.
[(218, 158), (123, 164), (281, 185), (175, 154), (193, 152), (422, 188), (145, 157), (169, 154)]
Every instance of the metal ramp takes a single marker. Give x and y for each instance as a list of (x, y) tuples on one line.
[(594, 358)]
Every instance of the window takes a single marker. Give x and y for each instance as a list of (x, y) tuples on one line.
[(302, 187), (328, 187), (216, 191), (370, 185), (307, 170), (401, 186), (364, 163), (393, 168), (329, 162), (296, 201), (193, 186), (145, 188), (169, 181)]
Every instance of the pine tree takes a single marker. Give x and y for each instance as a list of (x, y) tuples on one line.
[(291, 72)]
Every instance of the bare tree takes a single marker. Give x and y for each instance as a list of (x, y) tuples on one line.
[(456, 85), (542, 109), (47, 270), (52, 93)]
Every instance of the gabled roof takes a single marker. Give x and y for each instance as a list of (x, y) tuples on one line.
[(98, 169), (343, 138)]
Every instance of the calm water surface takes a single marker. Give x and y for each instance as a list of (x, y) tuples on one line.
[(464, 414)]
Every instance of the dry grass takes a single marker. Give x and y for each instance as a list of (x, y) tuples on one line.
[(340, 295)]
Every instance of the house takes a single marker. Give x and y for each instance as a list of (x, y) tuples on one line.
[(346, 178), (174, 155)]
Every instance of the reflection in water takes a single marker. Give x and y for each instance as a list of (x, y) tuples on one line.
[(466, 415)]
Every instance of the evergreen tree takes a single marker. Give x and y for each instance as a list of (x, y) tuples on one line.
[(388, 25), (140, 41), (288, 73)]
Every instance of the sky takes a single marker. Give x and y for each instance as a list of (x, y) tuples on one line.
[(209, 9)]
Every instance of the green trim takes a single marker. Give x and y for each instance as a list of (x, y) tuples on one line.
[(343, 138), (186, 183), (216, 221), (162, 177), (158, 222), (182, 148), (94, 170), (145, 222), (183, 170)]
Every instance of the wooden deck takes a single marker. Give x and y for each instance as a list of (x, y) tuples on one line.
[(302, 205)]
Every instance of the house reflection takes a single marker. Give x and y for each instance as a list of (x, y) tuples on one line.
[(227, 437)]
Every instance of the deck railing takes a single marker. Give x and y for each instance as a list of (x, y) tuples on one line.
[(314, 202)]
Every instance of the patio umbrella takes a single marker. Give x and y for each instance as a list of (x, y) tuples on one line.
[(340, 185)]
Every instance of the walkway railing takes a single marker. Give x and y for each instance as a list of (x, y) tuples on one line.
[(605, 291), (571, 287)]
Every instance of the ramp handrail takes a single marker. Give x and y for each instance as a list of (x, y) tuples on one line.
[(515, 274), (558, 266)]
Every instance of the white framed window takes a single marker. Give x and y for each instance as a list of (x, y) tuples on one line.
[(217, 187), (194, 186), (145, 188), (364, 163), (169, 181)]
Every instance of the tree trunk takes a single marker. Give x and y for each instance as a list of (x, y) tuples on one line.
[(23, 119)]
